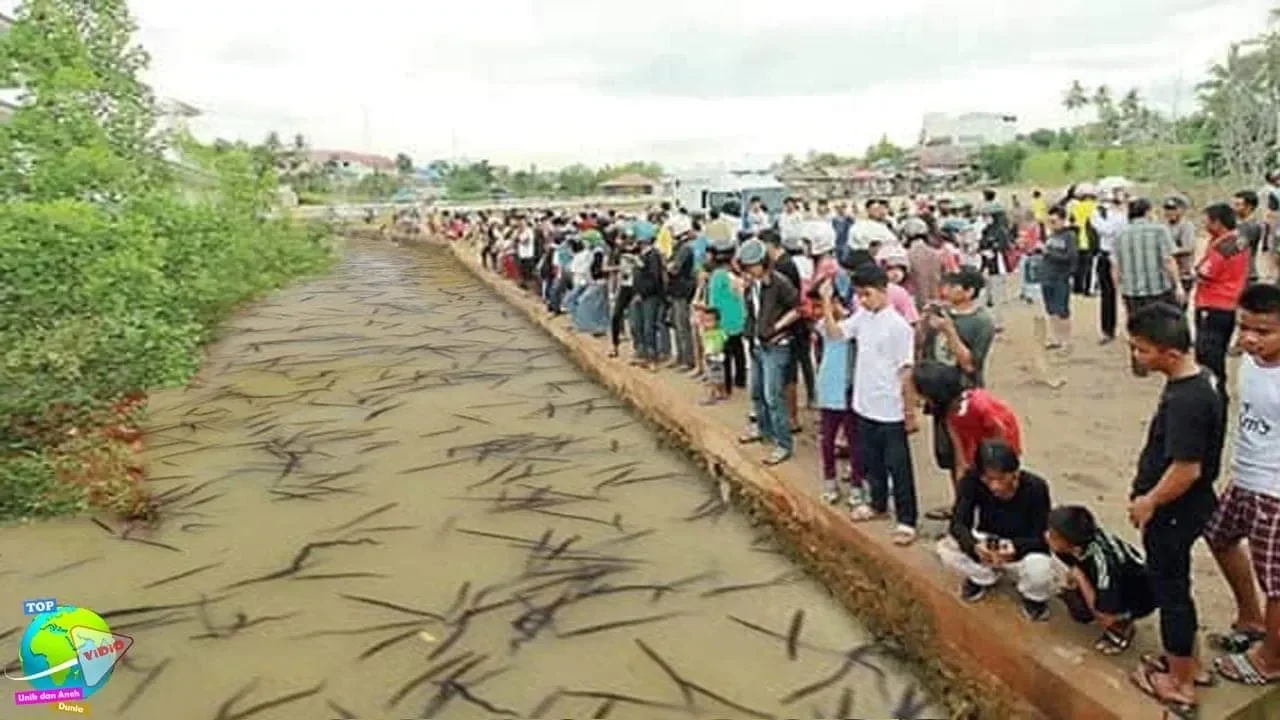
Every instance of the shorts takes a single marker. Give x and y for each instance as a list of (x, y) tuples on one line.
[(714, 374), (1056, 294), (1244, 514)]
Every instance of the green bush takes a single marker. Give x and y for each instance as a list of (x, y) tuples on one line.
[(113, 271)]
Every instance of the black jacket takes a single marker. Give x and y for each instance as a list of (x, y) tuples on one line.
[(778, 296), (650, 276), (683, 280)]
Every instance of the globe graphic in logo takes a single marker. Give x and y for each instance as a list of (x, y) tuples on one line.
[(47, 644)]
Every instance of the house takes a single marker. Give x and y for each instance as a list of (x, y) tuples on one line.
[(630, 185), (976, 128), (352, 165)]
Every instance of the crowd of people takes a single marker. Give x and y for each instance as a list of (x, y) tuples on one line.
[(887, 317)]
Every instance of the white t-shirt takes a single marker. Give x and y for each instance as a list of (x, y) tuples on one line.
[(804, 267), (886, 345), (524, 244), (1256, 463)]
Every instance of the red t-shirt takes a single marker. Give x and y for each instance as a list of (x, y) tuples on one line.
[(982, 416), (1221, 278)]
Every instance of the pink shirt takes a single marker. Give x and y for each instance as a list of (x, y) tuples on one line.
[(902, 301)]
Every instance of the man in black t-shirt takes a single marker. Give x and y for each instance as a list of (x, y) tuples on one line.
[(1172, 496)]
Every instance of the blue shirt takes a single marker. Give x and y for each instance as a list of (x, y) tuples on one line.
[(833, 382), (842, 225), (699, 247)]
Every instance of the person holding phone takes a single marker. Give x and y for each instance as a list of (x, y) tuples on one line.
[(998, 528)]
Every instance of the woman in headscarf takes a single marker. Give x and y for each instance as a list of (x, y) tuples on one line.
[(591, 313)]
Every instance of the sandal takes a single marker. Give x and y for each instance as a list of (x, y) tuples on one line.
[(1159, 664), (777, 457), (1240, 668), (863, 513), (1236, 641), (613, 353), (750, 437), (1144, 679), (1115, 641), (942, 514), (904, 535)]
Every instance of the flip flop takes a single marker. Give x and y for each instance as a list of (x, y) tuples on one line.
[(942, 514), (1113, 642), (1239, 668), (1236, 641), (1159, 664), (1142, 679)]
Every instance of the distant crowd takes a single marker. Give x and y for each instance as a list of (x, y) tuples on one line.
[(887, 317)]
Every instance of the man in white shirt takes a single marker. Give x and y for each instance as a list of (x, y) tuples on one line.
[(883, 395), (1110, 217), (1244, 533), (526, 251)]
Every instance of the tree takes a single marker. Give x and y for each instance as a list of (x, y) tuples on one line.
[(88, 125), (884, 150), (1043, 138), (404, 164), (1002, 163), (1075, 97)]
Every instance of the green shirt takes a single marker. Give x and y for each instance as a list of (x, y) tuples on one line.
[(722, 297), (713, 341), (976, 330)]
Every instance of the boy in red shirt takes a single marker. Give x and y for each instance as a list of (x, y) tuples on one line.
[(973, 415), (1221, 276)]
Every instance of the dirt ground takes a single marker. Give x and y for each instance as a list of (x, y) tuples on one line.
[(388, 496)]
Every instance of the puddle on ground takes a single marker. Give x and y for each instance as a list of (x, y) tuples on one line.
[(390, 497)]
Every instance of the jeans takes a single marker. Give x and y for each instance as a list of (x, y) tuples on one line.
[(647, 317), (662, 335), (622, 312), (1029, 270), (886, 454), (996, 294), (1107, 288), (1034, 574), (768, 364), (1167, 540), (1213, 338), (1082, 279), (575, 294), (561, 288), (682, 326)]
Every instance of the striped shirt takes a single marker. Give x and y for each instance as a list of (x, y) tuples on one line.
[(1141, 251)]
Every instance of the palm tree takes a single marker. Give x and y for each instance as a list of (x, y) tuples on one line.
[(1075, 97)]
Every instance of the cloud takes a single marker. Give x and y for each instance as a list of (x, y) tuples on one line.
[(680, 82)]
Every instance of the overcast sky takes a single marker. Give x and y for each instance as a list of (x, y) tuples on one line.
[(676, 81)]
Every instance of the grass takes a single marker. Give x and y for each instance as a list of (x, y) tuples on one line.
[(1051, 167)]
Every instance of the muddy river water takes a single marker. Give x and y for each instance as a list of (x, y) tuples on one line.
[(387, 496)]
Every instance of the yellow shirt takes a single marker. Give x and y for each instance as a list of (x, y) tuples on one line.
[(664, 242), (1039, 210), (1081, 211)]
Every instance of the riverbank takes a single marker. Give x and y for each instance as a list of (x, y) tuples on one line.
[(983, 659)]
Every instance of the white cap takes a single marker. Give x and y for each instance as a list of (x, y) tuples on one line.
[(679, 225)]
